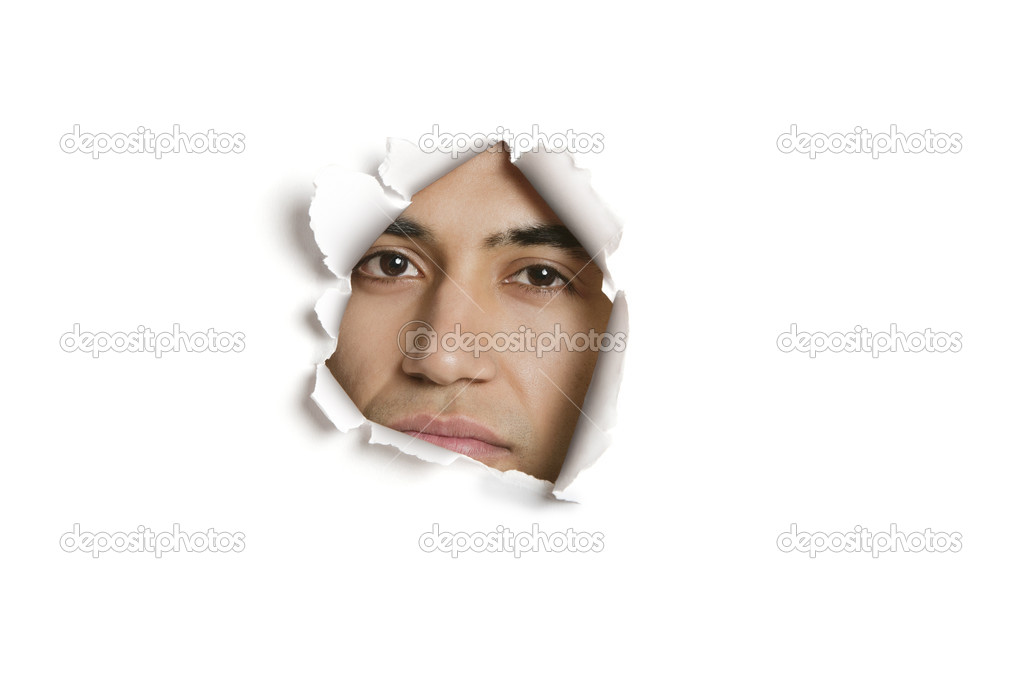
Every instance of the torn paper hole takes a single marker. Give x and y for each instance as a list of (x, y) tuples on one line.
[(477, 323)]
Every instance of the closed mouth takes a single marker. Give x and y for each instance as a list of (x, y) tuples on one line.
[(458, 434)]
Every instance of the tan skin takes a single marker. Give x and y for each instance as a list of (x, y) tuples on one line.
[(463, 268)]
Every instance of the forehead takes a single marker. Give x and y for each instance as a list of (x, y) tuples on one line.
[(483, 196)]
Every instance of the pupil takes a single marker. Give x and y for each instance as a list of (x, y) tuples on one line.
[(394, 265), (541, 276)]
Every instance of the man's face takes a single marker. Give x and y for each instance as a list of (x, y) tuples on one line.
[(478, 248)]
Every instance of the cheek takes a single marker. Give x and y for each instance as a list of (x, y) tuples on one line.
[(575, 315), (548, 387), (596, 314), (366, 350)]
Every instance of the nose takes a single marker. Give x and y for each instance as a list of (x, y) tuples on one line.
[(449, 357)]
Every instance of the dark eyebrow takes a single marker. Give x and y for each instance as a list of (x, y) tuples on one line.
[(410, 229), (557, 236)]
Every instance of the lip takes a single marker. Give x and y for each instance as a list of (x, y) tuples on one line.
[(456, 433)]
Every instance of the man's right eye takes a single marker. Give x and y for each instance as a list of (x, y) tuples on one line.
[(388, 265)]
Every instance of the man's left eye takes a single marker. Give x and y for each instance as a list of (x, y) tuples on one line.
[(543, 276), (389, 264)]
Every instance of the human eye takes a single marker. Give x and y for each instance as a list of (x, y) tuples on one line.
[(387, 265), (542, 279)]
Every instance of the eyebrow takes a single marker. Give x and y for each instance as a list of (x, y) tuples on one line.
[(556, 236), (410, 229), (540, 234)]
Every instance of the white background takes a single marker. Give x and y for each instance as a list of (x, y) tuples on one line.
[(722, 440)]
